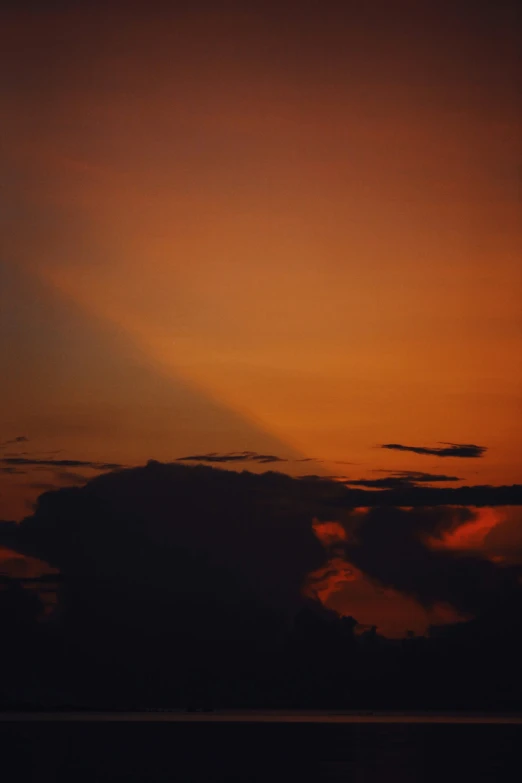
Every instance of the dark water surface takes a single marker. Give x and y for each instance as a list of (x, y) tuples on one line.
[(148, 749)]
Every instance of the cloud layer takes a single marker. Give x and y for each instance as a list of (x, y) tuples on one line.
[(208, 542), (394, 546), (11, 463)]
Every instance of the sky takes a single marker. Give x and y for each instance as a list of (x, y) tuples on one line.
[(291, 229)]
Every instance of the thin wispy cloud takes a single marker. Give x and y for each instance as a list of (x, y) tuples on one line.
[(390, 546), (325, 460), (403, 478), (14, 441), (58, 463), (464, 450), (232, 456)]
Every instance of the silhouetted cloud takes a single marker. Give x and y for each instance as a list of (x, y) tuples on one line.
[(317, 477), (466, 450), (401, 479), (199, 534), (32, 454), (253, 456), (416, 495), (59, 463), (391, 546), (207, 549), (233, 456)]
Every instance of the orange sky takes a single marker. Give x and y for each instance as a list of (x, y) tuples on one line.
[(262, 229)]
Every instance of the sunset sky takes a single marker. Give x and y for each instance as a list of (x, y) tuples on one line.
[(286, 228)]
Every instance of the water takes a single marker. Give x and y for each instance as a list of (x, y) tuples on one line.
[(191, 749)]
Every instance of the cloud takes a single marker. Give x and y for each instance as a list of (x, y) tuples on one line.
[(233, 456), (254, 456), (470, 536), (394, 546), (401, 479), (59, 463), (316, 477), (418, 496), (202, 536), (171, 573), (465, 450), (18, 439), (177, 541), (321, 459), (339, 492)]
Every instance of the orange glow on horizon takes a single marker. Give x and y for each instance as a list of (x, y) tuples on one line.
[(20, 566), (329, 532), (329, 579), (469, 536)]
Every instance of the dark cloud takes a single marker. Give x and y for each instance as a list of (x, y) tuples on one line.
[(199, 534), (233, 456), (194, 543), (59, 463), (390, 545), (401, 479), (467, 450), (32, 454), (176, 575), (316, 477), (414, 495), (253, 456)]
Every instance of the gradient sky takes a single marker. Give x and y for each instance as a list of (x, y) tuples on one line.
[(286, 227)]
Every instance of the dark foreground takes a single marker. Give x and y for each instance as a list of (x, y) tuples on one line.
[(145, 748)]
